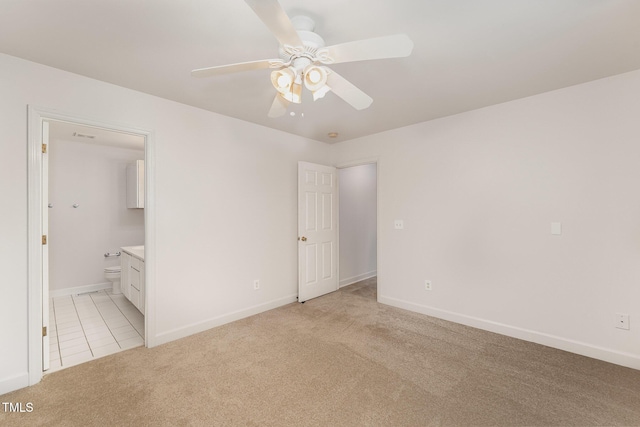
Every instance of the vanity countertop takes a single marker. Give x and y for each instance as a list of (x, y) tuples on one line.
[(136, 251)]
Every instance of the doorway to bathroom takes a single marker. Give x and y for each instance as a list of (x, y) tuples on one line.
[(89, 222), (78, 203)]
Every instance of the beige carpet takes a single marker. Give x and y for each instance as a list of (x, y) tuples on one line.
[(338, 360)]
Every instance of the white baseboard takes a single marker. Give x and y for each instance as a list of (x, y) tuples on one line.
[(195, 328), (80, 289), (351, 280), (608, 355), (16, 382)]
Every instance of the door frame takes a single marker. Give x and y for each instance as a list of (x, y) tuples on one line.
[(362, 162), (44, 249), (35, 117)]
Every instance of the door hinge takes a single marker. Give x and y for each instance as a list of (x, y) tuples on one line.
[(44, 239), (44, 148), (44, 331)]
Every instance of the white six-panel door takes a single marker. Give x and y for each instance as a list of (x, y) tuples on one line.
[(317, 230)]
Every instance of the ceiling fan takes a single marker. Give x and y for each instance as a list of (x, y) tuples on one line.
[(303, 59)]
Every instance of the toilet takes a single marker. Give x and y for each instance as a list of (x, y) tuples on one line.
[(112, 274)]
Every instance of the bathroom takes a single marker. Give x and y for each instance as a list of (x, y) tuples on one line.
[(94, 175)]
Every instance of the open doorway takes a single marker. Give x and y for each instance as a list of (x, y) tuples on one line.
[(39, 119), (358, 228), (91, 225)]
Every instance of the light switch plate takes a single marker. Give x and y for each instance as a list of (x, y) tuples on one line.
[(556, 228), (398, 224)]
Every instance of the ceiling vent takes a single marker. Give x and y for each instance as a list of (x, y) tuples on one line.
[(82, 135)]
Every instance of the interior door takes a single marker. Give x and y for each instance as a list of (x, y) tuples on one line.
[(45, 246), (317, 230)]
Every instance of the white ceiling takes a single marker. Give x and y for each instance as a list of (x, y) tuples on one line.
[(468, 53)]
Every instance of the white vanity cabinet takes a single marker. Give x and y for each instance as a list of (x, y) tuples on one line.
[(132, 279)]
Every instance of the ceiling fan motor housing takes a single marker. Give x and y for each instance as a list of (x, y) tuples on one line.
[(311, 43)]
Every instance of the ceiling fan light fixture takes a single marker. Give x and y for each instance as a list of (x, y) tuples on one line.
[(315, 77), (295, 94), (283, 80)]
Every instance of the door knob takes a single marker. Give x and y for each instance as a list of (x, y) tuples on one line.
[(304, 239)]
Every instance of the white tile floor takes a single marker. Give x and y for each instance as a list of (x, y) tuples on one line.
[(87, 326)]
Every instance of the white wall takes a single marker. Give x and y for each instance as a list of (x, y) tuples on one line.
[(357, 223), (225, 205), (478, 193), (94, 177)]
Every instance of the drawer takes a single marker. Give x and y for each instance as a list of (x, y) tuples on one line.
[(135, 298), (134, 278), (135, 263)]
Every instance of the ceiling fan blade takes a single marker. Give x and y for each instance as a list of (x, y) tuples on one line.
[(275, 18), (234, 68), (279, 107), (377, 48), (347, 91)]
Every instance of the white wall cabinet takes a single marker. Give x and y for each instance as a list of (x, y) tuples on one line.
[(135, 185), (132, 280)]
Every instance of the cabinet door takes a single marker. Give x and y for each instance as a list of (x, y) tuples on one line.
[(140, 181), (141, 306), (135, 184), (125, 265), (136, 284)]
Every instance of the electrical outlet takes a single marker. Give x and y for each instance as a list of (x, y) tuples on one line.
[(256, 285), (622, 321), (398, 224), (427, 285)]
